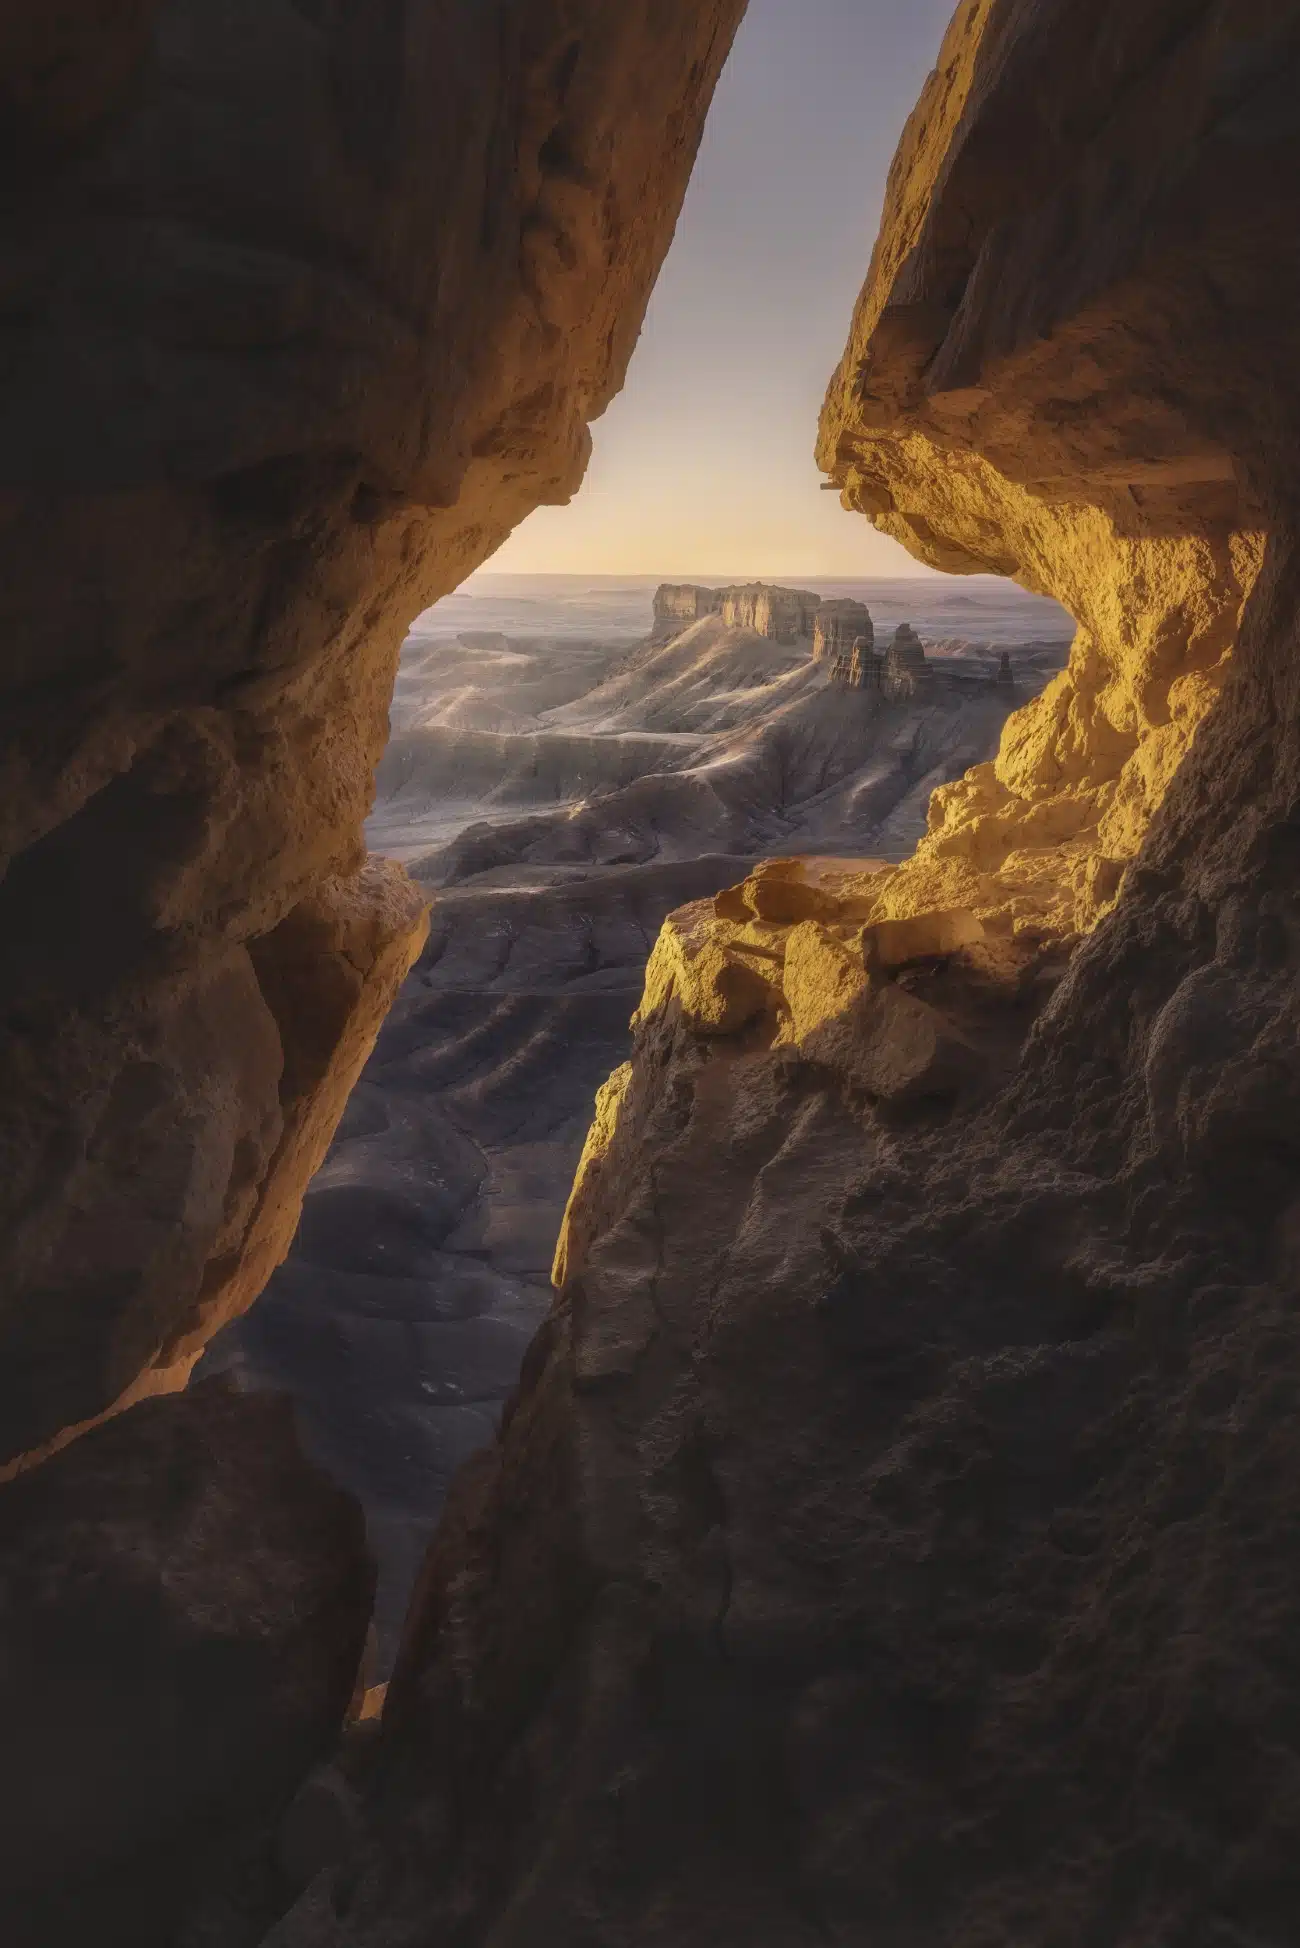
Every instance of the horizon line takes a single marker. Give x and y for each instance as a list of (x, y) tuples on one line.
[(701, 579)]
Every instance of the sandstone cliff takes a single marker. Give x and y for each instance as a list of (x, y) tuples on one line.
[(678, 604), (306, 304), (893, 1535), (838, 626), (307, 307), (787, 615), (1000, 409)]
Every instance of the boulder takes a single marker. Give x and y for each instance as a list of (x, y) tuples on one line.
[(895, 1048), (823, 976)]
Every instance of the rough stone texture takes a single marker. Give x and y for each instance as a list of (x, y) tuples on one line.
[(306, 305), (839, 626), (177, 1190), (1063, 368), (784, 614), (894, 1537), (858, 668), (171, 1664), (906, 673), (678, 604)]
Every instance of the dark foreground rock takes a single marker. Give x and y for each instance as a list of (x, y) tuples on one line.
[(894, 1540), (184, 1601), (308, 305), (422, 1267)]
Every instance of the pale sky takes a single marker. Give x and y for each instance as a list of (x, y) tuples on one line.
[(703, 466)]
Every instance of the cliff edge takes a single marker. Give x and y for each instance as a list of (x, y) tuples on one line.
[(360, 277)]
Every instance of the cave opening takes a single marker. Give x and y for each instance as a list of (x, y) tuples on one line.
[(879, 1511), (576, 749)]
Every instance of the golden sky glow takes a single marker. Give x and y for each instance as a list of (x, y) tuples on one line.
[(641, 512), (704, 465)]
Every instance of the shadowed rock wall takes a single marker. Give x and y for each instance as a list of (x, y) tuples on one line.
[(173, 1662), (306, 304), (894, 1534)]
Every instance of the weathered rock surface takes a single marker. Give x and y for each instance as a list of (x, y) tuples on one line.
[(787, 615), (183, 1605), (906, 671), (678, 604), (838, 626), (1004, 406), (894, 1535), (306, 306), (422, 1265)]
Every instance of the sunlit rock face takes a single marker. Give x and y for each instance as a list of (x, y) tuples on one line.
[(786, 615), (678, 604), (906, 672), (1000, 408), (307, 306), (838, 626), (893, 1537)]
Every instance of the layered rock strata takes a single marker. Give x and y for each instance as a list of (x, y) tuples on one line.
[(858, 668), (678, 604), (838, 627), (786, 615), (893, 1533)]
